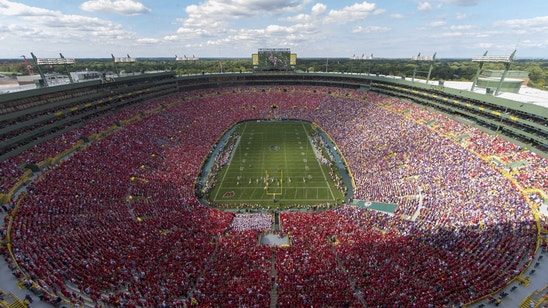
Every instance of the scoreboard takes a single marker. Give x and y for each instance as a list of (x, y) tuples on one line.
[(274, 59)]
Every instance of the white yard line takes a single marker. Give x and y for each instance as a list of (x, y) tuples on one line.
[(229, 163), (326, 180)]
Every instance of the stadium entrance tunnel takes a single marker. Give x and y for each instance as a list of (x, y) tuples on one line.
[(260, 165)]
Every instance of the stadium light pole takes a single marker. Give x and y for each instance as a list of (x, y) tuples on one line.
[(42, 76), (66, 68), (115, 66), (220, 61), (369, 59)]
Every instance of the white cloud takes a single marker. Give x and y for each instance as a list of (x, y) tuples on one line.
[(463, 2), (192, 33), (318, 9), (437, 24), (370, 29), (211, 22), (536, 24), (31, 24), (215, 20), (452, 34), (276, 29), (379, 11), (461, 27), (460, 16), (424, 6), (433, 25), (316, 12), (9, 8), (533, 43), (354, 12), (300, 18), (220, 12), (240, 26), (484, 45), (172, 38), (147, 41), (123, 7)]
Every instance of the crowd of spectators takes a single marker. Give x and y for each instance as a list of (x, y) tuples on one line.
[(12, 168), (259, 221), (308, 272), (238, 275), (120, 221)]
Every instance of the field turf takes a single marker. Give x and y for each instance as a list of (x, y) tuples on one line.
[(273, 165)]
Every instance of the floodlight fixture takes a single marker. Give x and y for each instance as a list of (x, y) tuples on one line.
[(493, 59), (362, 57), (185, 58), (127, 59), (423, 58), (55, 61)]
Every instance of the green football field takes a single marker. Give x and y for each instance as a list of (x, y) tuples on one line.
[(273, 164)]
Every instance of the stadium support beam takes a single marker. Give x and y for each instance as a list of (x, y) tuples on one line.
[(480, 68), (66, 68), (115, 66), (506, 69), (35, 59)]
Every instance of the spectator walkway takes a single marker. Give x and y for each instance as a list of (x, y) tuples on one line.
[(357, 291)]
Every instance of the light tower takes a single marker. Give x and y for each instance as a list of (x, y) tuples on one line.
[(420, 58), (129, 60), (51, 62), (186, 60), (362, 59), (506, 60)]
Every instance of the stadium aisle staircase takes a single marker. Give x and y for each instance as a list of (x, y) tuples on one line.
[(274, 277), (10, 300), (536, 299), (352, 281)]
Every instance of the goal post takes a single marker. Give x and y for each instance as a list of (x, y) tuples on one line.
[(277, 191)]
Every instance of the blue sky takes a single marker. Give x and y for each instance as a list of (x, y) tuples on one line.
[(237, 28)]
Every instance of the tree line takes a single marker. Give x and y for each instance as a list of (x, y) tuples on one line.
[(442, 69)]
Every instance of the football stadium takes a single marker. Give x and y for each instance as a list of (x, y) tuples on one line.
[(275, 188)]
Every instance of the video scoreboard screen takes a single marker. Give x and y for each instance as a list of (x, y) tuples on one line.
[(274, 59)]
